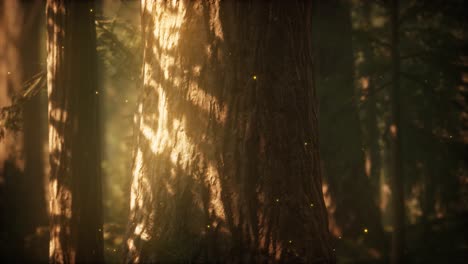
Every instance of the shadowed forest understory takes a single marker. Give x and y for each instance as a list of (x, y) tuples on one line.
[(222, 131)]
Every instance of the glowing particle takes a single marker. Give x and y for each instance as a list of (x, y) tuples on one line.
[(333, 249), (305, 143), (277, 200), (311, 205), (254, 77), (290, 241), (63, 47), (91, 10), (97, 92), (8, 73), (208, 226), (99, 230), (126, 101), (365, 230), (339, 237)]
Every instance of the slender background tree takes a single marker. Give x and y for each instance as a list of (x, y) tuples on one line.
[(353, 208), (74, 145)]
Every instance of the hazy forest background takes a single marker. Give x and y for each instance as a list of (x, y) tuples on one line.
[(201, 131)]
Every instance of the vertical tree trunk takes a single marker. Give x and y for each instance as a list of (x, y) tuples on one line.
[(428, 197), (75, 179), (398, 238), (34, 126), (354, 207), (372, 111), (226, 166)]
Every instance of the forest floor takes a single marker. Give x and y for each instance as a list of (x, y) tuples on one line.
[(445, 242)]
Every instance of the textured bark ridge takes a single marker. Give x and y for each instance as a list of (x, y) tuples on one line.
[(226, 166), (75, 183)]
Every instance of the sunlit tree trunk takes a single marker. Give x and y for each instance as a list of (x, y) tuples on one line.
[(75, 179), (11, 144), (226, 166), (398, 238), (353, 208)]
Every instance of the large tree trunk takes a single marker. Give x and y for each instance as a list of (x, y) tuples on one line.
[(226, 166), (353, 210), (75, 179), (398, 238)]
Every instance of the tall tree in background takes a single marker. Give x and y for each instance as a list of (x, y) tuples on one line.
[(353, 209), (11, 142), (75, 179), (398, 238), (226, 165), (34, 128), (368, 84), (23, 207)]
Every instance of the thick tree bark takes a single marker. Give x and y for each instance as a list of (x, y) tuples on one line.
[(75, 179), (398, 238), (353, 208), (226, 166)]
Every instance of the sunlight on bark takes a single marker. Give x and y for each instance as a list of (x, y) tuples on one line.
[(59, 193), (333, 226), (206, 102), (194, 181), (367, 163), (168, 135), (140, 190), (215, 23)]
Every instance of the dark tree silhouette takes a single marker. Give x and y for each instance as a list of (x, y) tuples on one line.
[(398, 237), (353, 210)]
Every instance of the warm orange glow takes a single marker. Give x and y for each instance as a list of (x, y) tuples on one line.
[(385, 195), (334, 228), (215, 23), (165, 129), (364, 83), (464, 77), (368, 163), (393, 130), (413, 203)]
